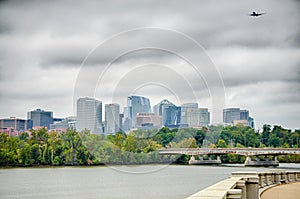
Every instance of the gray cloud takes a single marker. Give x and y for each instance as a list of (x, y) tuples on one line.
[(240, 65), (43, 44)]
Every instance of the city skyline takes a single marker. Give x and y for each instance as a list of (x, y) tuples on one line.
[(257, 57), (89, 116), (236, 114), (89, 112)]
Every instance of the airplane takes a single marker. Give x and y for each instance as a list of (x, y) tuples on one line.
[(255, 14)]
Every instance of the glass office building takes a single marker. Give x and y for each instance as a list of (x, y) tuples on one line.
[(170, 113), (112, 118), (40, 117), (185, 116), (236, 115), (135, 105), (89, 115), (231, 114), (171, 116)]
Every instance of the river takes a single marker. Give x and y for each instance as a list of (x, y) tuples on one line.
[(127, 182)]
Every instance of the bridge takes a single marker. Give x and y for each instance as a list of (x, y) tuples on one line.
[(250, 153)]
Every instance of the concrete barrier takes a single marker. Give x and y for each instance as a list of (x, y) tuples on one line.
[(246, 185)]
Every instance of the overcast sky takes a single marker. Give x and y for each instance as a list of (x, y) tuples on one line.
[(43, 45)]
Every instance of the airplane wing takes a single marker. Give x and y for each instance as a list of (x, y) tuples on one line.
[(263, 13)]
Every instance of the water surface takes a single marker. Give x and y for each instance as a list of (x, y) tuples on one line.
[(128, 182)]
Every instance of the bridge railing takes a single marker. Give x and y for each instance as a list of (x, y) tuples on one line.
[(246, 185), (240, 151)]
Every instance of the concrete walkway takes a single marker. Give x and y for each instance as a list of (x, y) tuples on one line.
[(285, 191)]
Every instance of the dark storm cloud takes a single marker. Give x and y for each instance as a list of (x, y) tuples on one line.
[(43, 44)]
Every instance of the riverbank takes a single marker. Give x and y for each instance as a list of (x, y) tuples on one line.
[(89, 166), (281, 165)]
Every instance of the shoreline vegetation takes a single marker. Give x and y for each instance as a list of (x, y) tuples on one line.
[(131, 165), (139, 147), (95, 165)]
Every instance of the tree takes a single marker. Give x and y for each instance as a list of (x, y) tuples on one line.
[(185, 143), (251, 138), (35, 154), (265, 134), (150, 146), (24, 153), (139, 146), (274, 141), (55, 148), (164, 136), (24, 137), (199, 137), (130, 144), (72, 142), (222, 144)]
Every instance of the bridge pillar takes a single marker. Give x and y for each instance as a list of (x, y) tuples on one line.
[(257, 162), (200, 157), (192, 158), (201, 161)]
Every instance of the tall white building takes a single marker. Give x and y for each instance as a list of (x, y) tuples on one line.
[(204, 117), (89, 115), (197, 117), (112, 118), (184, 114)]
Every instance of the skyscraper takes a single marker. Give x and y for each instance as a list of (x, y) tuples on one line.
[(158, 108), (171, 116), (135, 105), (251, 122), (40, 117), (236, 116), (231, 114), (112, 118), (184, 108), (170, 113), (126, 120), (244, 114), (89, 115), (121, 121), (204, 117), (196, 117)]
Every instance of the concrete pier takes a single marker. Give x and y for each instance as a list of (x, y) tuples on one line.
[(258, 163), (201, 161)]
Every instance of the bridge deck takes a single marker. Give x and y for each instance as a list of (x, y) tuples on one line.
[(222, 151)]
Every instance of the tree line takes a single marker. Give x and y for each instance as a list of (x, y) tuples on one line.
[(137, 147)]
